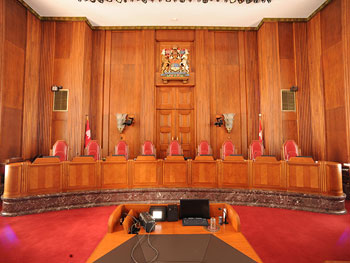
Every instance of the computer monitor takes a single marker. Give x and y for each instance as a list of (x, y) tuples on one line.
[(194, 208)]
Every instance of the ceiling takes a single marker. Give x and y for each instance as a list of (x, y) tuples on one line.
[(163, 13)]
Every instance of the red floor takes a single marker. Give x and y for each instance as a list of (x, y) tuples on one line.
[(277, 235)]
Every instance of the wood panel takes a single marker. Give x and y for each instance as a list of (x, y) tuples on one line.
[(147, 109), (30, 141), (333, 76), (165, 131), (287, 77), (45, 82), (270, 90), (234, 174), (252, 85), (204, 174), (175, 35), (96, 88), (2, 52), (126, 83), (12, 75), (346, 56), (243, 93), (13, 180), (333, 179), (166, 98), (106, 94), (227, 90), (303, 94), (145, 174), (202, 89), (44, 178), (114, 174), (268, 173), (185, 131), (303, 177), (316, 88), (175, 174), (81, 174)]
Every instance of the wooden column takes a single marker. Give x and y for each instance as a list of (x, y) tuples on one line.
[(30, 142), (346, 54), (270, 91), (318, 127)]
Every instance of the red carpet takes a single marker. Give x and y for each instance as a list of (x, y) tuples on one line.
[(277, 235)]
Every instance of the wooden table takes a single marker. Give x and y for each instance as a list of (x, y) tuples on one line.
[(117, 234)]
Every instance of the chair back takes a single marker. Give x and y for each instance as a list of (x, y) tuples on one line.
[(174, 148), (60, 149), (148, 148), (204, 148), (255, 149), (290, 149), (122, 149), (93, 149), (227, 149)]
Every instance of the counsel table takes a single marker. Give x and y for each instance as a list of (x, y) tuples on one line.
[(117, 234)]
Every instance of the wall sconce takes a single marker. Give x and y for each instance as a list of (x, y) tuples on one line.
[(219, 121), (55, 88), (229, 118), (122, 120)]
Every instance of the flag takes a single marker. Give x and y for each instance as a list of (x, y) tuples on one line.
[(260, 130), (87, 132)]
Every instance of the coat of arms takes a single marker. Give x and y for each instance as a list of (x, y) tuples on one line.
[(175, 64)]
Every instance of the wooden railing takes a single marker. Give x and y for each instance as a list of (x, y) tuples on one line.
[(49, 176)]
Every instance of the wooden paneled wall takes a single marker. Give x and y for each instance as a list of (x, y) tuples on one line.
[(109, 72), (13, 58)]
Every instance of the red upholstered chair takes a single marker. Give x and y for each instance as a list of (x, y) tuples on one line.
[(255, 149), (204, 148), (60, 149), (93, 149), (122, 149), (227, 149), (148, 148), (290, 149), (174, 148)]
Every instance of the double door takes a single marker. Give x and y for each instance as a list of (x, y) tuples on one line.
[(175, 120)]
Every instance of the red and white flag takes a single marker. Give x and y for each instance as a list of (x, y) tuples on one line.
[(87, 132), (260, 130)]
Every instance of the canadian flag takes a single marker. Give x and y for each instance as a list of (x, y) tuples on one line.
[(260, 130), (87, 132)]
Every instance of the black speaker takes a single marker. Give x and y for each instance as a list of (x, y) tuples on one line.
[(173, 213)]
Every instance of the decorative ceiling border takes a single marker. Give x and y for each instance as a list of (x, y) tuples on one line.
[(221, 28)]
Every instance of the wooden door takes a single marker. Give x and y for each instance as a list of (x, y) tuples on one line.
[(175, 119), (165, 131), (184, 131)]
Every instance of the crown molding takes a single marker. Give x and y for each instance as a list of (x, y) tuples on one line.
[(219, 28)]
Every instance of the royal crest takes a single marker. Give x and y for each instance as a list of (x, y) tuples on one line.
[(175, 64)]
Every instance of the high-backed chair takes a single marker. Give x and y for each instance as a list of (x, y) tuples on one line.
[(60, 149), (255, 149), (204, 148), (227, 149), (122, 149), (148, 148), (93, 149), (174, 149), (290, 149)]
